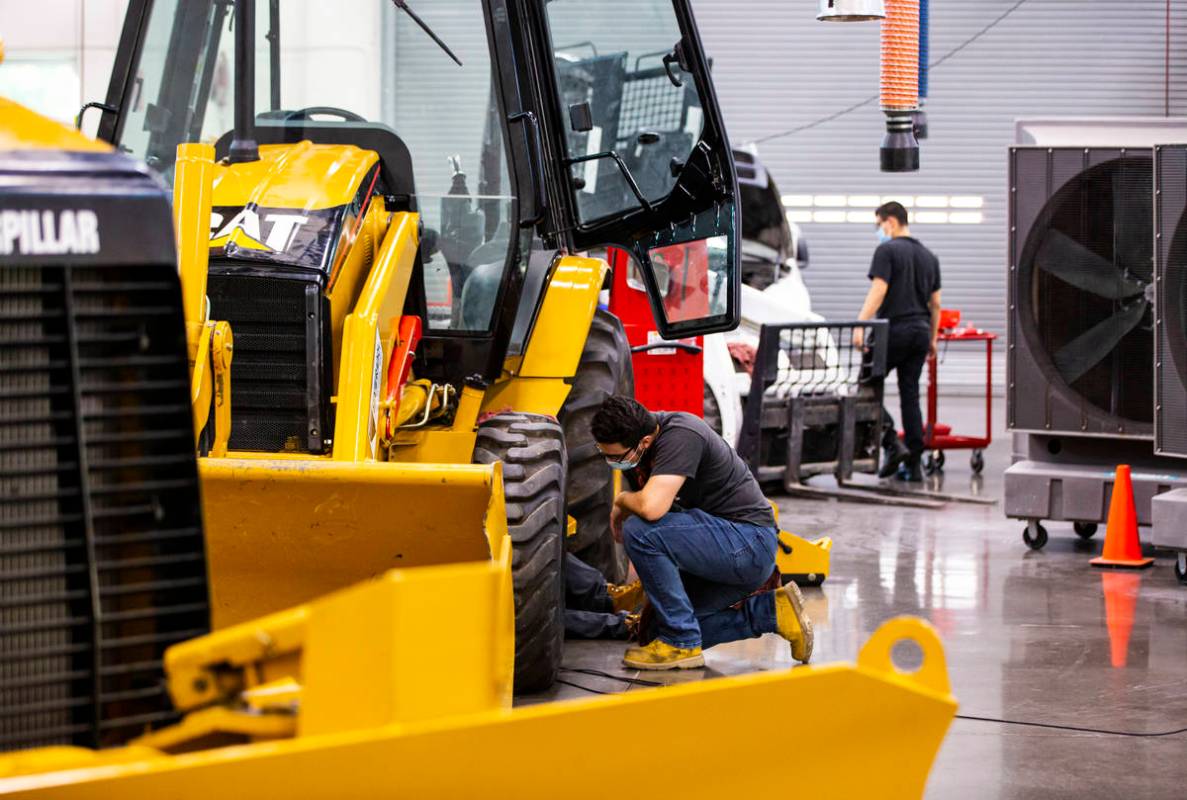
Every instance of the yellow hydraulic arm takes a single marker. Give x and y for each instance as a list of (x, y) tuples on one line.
[(210, 343)]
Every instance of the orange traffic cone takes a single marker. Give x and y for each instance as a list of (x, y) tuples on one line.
[(1122, 547)]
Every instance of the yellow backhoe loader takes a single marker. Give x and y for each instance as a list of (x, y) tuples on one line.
[(334, 616), (382, 310)]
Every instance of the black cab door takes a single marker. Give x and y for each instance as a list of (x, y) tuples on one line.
[(632, 124)]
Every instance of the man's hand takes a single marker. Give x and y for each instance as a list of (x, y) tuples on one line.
[(859, 337), (931, 349), (618, 515)]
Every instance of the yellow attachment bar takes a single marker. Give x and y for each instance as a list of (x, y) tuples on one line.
[(362, 369), (280, 532), (219, 727), (193, 190)]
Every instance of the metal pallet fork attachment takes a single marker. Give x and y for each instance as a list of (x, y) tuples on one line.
[(815, 408)]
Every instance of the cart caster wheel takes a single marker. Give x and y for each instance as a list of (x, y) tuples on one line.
[(1035, 539), (1085, 530), (977, 462), (934, 462), (1181, 567)]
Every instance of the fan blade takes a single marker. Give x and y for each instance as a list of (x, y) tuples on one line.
[(1133, 217), (1094, 345), (1073, 263)]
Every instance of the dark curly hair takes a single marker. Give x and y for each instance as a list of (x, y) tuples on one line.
[(622, 420)]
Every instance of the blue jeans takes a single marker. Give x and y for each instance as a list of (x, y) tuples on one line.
[(694, 566)]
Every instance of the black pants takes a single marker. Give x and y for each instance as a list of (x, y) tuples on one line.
[(589, 611), (906, 355)]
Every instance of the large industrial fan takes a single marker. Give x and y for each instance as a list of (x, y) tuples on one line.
[(1081, 291)]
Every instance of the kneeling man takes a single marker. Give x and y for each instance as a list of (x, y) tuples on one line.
[(700, 533)]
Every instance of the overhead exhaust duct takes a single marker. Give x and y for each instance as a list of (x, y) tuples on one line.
[(900, 85), (851, 10), (920, 117)]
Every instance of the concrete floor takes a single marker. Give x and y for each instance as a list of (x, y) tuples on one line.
[(1025, 635)]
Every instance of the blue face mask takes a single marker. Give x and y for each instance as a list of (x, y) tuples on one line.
[(883, 236)]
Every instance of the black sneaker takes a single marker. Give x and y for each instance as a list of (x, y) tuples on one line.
[(892, 457), (911, 471)]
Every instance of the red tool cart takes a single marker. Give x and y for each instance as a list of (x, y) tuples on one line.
[(669, 375), (938, 437)]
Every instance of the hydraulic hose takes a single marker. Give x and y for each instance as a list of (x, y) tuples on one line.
[(920, 116)]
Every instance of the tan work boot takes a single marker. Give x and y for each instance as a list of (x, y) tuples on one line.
[(626, 596), (661, 655), (792, 623)]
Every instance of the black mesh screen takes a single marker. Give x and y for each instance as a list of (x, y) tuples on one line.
[(102, 563), (1170, 430), (279, 386), (1085, 285)]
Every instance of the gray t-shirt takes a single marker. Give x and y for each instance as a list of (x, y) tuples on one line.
[(718, 481)]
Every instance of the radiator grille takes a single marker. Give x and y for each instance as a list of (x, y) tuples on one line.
[(101, 553), (277, 374)]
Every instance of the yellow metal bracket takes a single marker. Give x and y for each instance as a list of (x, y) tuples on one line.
[(932, 674), (804, 561)]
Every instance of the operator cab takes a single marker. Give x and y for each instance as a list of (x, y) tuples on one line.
[(516, 129)]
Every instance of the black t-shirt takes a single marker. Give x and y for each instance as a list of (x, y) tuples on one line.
[(718, 481), (912, 273)]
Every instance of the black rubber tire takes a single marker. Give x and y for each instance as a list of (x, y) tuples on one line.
[(532, 449), (1180, 570), (1037, 542), (712, 411), (605, 369), (1085, 530)]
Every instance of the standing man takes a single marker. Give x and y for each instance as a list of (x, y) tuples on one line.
[(701, 536), (905, 290)]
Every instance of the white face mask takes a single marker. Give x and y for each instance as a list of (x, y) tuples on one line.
[(626, 463)]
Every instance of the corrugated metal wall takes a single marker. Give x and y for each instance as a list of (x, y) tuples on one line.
[(777, 68)]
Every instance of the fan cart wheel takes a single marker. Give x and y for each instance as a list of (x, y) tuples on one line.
[(977, 462), (1085, 530), (1181, 567), (1035, 535)]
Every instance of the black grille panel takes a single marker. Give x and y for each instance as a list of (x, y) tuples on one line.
[(102, 564), (279, 394), (1170, 220)]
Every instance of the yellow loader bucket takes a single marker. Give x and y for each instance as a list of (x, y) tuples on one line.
[(281, 532), (864, 731)]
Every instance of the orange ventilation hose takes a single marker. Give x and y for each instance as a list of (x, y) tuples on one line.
[(900, 56)]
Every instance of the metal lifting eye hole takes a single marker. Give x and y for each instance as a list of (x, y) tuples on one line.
[(906, 655), (648, 137)]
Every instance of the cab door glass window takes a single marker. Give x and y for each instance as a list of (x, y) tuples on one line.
[(693, 278), (623, 90)]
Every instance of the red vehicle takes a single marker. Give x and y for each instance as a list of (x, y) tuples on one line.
[(669, 375)]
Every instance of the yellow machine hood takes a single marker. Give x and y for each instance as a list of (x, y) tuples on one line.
[(292, 206)]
